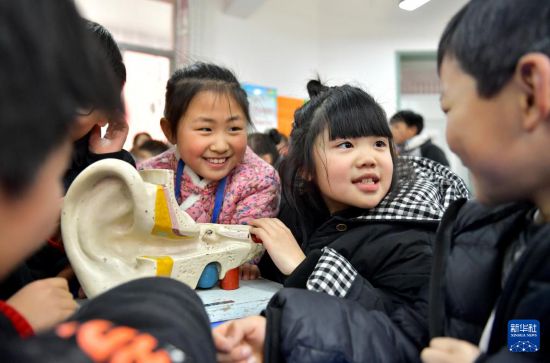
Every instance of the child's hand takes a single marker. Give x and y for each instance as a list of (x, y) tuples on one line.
[(112, 141), (249, 272), (449, 350), (279, 243), (44, 303), (240, 340)]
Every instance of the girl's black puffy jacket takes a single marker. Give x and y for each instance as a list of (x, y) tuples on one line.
[(383, 317)]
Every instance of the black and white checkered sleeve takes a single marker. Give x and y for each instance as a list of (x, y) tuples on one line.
[(332, 275)]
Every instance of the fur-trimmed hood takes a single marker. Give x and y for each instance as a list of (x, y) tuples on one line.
[(418, 140), (427, 188)]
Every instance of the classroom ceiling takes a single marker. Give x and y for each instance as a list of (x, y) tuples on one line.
[(373, 16), (356, 17)]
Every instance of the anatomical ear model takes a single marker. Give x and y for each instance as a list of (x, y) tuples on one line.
[(119, 224)]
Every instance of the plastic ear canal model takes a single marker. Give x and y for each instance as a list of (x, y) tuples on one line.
[(119, 224)]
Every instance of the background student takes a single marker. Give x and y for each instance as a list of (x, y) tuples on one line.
[(406, 127)]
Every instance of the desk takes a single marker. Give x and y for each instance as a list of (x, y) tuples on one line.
[(249, 299)]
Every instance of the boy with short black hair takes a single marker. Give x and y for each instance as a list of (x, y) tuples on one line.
[(39, 284), (491, 269), (406, 127), (48, 71)]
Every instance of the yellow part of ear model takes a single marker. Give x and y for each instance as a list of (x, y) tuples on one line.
[(165, 217), (164, 264)]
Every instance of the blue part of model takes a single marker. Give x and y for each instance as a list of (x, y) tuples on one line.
[(209, 276)]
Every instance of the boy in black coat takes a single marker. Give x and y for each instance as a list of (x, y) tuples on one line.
[(49, 71), (491, 277), (88, 147)]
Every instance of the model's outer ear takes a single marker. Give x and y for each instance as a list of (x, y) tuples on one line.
[(119, 225), (533, 76), (100, 207), (167, 130)]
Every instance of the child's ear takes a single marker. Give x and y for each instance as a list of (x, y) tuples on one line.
[(167, 130), (533, 75)]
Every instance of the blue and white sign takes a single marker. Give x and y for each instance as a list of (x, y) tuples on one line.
[(523, 336), (263, 106)]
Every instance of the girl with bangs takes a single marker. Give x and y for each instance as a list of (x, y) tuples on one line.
[(358, 223)]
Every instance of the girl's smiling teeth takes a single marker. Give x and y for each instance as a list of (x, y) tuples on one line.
[(368, 184), (216, 160), (367, 181)]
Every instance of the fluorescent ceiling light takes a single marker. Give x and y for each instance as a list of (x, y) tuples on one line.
[(411, 5)]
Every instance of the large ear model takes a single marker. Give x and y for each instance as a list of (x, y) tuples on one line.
[(119, 224)]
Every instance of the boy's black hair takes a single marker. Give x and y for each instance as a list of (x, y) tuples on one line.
[(410, 118), (263, 144), (155, 147), (488, 37), (48, 69), (185, 83), (276, 136), (346, 112), (139, 134), (110, 50)]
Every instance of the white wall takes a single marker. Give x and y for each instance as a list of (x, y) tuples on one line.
[(362, 44), (130, 21), (369, 63), (277, 46), (359, 43)]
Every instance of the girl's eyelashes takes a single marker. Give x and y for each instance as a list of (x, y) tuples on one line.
[(204, 129), (344, 145), (235, 129)]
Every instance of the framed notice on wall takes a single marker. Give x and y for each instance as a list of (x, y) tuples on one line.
[(263, 106)]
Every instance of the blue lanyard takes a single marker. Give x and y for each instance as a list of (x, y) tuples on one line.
[(220, 190)]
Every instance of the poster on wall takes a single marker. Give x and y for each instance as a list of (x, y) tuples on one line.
[(263, 106)]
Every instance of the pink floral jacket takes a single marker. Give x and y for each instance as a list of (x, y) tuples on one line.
[(253, 189)]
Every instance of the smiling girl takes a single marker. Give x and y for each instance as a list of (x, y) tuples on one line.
[(357, 223), (206, 117), (218, 179)]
